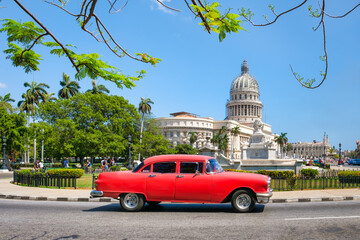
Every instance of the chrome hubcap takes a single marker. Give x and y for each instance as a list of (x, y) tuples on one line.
[(243, 201), (131, 200)]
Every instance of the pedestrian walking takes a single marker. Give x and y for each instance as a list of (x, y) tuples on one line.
[(106, 165), (41, 165), (102, 164)]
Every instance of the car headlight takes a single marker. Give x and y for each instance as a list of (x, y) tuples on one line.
[(269, 182)]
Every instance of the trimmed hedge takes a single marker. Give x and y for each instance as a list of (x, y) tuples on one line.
[(276, 174), (349, 176), (30, 172), (66, 172), (310, 173)]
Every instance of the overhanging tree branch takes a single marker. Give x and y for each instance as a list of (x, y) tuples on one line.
[(48, 32)]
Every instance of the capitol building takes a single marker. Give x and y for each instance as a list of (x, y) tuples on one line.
[(243, 109)]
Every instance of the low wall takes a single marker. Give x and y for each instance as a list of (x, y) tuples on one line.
[(278, 164)]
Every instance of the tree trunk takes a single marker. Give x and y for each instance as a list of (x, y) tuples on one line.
[(141, 131)]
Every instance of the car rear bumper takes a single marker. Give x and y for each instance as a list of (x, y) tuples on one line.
[(95, 193), (264, 197)]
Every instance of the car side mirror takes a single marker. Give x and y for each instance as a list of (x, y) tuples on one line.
[(197, 172)]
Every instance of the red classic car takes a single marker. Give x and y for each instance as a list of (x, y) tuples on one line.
[(183, 178)]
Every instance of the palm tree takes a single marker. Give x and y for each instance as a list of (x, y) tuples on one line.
[(144, 108), (193, 138), (32, 98), (69, 88), (5, 102), (34, 95), (281, 140), (235, 131), (26, 105), (49, 97), (98, 89), (223, 144), (222, 130)]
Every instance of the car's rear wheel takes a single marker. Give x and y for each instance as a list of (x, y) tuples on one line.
[(153, 203), (132, 202), (243, 201)]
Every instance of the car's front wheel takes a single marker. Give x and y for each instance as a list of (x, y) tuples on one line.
[(132, 202), (243, 201)]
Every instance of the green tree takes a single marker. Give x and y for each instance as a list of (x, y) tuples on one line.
[(153, 142), (98, 89), (13, 126), (235, 131), (221, 139), (22, 37), (89, 125), (5, 102), (144, 108), (69, 88), (281, 140), (48, 97), (185, 149), (193, 137), (288, 147), (33, 97)]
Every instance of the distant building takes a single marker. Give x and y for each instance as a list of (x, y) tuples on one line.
[(312, 150), (243, 108)]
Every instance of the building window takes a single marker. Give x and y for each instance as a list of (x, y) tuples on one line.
[(245, 96), (250, 97), (235, 97), (171, 134), (240, 97)]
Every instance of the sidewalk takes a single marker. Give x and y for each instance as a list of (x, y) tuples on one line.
[(11, 191)]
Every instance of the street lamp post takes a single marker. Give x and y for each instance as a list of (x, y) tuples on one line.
[(339, 154), (129, 161), (4, 152)]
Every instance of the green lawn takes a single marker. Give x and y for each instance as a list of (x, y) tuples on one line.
[(85, 182)]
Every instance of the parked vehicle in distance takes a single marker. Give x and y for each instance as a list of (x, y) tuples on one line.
[(183, 178), (354, 161)]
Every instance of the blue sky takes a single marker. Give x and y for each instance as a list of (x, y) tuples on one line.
[(196, 71)]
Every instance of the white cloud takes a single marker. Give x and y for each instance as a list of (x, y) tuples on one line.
[(162, 8), (3, 85)]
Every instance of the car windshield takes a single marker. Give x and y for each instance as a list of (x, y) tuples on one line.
[(138, 167), (212, 166)]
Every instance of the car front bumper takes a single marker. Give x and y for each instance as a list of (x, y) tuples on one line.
[(264, 197), (95, 193)]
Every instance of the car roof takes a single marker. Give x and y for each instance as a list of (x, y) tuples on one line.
[(177, 157)]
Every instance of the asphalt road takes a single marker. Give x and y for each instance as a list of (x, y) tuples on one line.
[(76, 220)]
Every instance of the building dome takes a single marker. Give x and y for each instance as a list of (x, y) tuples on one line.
[(244, 105), (245, 82)]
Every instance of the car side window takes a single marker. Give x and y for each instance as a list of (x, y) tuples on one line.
[(164, 167), (146, 169), (191, 167)]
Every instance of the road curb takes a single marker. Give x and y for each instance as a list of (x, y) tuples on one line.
[(315, 199), (104, 199), (59, 199)]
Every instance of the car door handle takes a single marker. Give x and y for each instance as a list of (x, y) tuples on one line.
[(152, 175), (179, 176)]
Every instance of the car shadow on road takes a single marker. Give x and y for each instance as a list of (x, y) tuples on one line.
[(177, 207)]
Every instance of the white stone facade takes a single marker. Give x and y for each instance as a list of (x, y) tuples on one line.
[(313, 150), (243, 110)]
